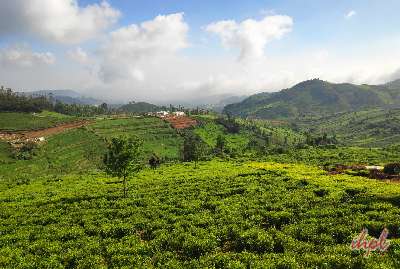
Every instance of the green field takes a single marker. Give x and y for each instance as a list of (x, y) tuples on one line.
[(28, 121), (220, 215), (158, 136), (269, 210)]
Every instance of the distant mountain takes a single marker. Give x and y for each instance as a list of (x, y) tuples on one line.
[(139, 107), (211, 102), (66, 96), (224, 101), (317, 97), (393, 85)]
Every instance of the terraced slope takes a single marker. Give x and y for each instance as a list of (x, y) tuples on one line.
[(158, 135)]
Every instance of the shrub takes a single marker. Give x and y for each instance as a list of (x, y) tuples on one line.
[(26, 151), (392, 168), (154, 161), (255, 240)]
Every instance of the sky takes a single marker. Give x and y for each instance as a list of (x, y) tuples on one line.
[(166, 50)]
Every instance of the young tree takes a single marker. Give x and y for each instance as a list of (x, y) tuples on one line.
[(194, 148), (123, 158)]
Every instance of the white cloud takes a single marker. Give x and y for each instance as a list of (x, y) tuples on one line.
[(251, 36), (129, 46), (62, 21), (350, 14), (78, 55), (23, 56), (143, 62)]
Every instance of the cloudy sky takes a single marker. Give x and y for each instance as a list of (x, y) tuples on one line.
[(162, 50)]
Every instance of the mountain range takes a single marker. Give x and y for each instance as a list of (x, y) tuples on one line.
[(317, 97), (66, 97)]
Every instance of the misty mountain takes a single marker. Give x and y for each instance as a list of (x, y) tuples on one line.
[(66, 96), (317, 97), (210, 102)]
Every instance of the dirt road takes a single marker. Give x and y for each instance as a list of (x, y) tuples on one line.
[(9, 136)]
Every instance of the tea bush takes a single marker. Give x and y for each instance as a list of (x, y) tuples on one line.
[(224, 214)]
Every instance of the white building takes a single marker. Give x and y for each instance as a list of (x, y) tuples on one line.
[(162, 113), (179, 113)]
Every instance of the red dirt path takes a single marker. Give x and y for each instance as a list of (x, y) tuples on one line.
[(42, 133)]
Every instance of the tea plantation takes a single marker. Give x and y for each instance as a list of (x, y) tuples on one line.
[(59, 210), (222, 214), (158, 136)]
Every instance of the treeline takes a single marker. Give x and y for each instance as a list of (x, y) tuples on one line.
[(14, 102), (81, 110)]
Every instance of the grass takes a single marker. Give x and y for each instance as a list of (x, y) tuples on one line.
[(27, 121), (158, 136)]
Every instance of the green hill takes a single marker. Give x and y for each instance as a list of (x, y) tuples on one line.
[(139, 107), (316, 97), (366, 128)]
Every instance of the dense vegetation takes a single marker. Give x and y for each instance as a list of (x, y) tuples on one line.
[(13, 102), (316, 97), (19, 102), (222, 214)]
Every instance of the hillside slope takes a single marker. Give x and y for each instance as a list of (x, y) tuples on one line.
[(366, 128), (316, 97)]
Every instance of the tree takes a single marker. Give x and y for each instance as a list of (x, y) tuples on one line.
[(193, 148), (392, 168), (103, 108), (230, 124), (123, 158)]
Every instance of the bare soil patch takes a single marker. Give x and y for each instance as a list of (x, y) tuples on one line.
[(180, 122)]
